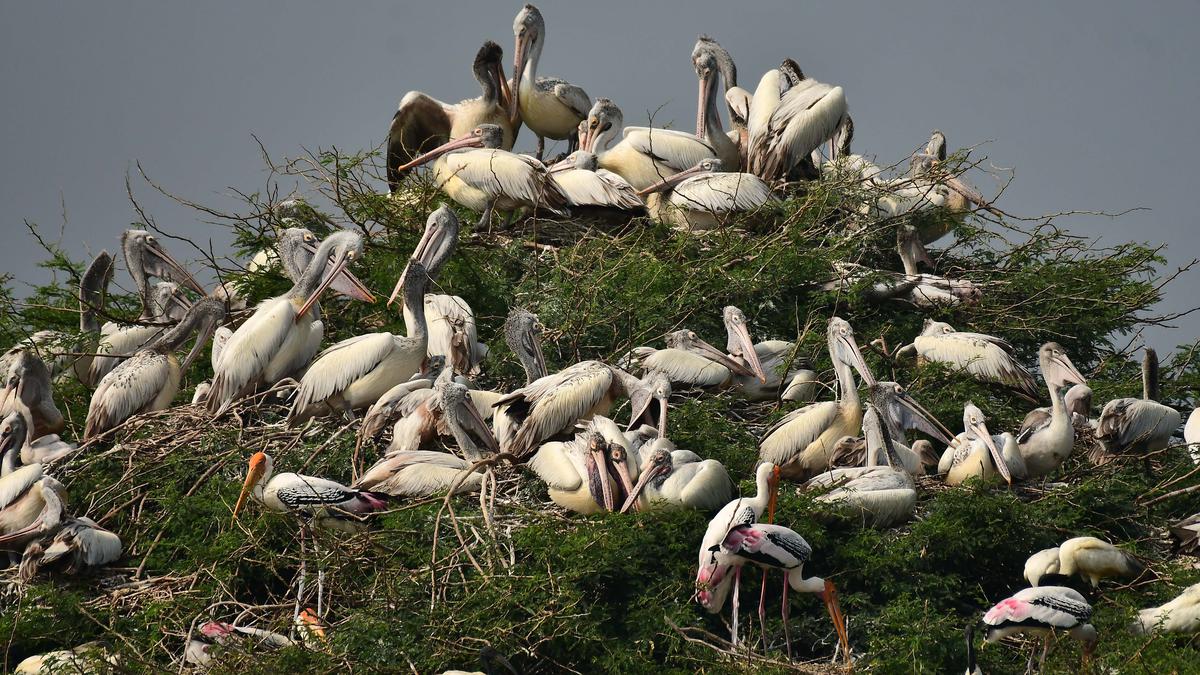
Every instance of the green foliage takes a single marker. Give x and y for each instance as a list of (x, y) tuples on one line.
[(602, 594)]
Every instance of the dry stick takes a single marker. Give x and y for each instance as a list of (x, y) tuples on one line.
[(1174, 493)]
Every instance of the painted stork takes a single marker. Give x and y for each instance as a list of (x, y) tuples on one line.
[(1137, 426), (802, 442), (199, 651), (645, 155), (549, 106), (282, 335), (422, 122), (669, 476), (705, 198), (327, 503), (150, 379), (1042, 611), (1181, 615)]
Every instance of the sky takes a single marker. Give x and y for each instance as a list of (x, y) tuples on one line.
[(1093, 103)]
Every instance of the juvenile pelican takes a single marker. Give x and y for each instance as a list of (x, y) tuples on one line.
[(332, 505), (355, 372), (1137, 426), (710, 59), (1041, 611), (422, 122), (645, 155), (31, 505), (523, 335), (788, 122), (550, 107), (801, 442), (678, 477), (591, 189), (576, 471), (703, 198), (445, 409), (78, 546), (474, 172), (1047, 437), (15, 431), (150, 378), (902, 413), (282, 335), (987, 358), (26, 388), (1181, 615)]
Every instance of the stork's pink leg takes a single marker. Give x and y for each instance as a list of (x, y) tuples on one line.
[(787, 636), (737, 583), (762, 610)]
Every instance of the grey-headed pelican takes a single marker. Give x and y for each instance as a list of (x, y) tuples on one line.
[(704, 197), (549, 106), (1137, 426), (31, 505), (422, 122), (644, 155), (801, 442), (445, 409), (91, 657), (710, 60), (976, 453), (523, 334), (150, 378), (16, 431), (282, 335), (27, 388), (768, 360)]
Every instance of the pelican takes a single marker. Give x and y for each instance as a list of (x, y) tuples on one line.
[(1187, 533), (1191, 435), (355, 372), (145, 258), (1042, 611), (801, 442), (422, 121), (1047, 436), (576, 471), (975, 453), (331, 504), (550, 107), (787, 124), (1095, 559), (150, 379), (767, 360), (474, 172), (690, 361), (902, 413), (1137, 426), (492, 662), (31, 505), (551, 405), (523, 334), (842, 162), (929, 188), (282, 335), (418, 474), (883, 495), (678, 477), (384, 411), (91, 657), (709, 60), (27, 389), (702, 198), (986, 358), (445, 409), (773, 547), (15, 432), (645, 155), (1181, 615), (590, 188), (79, 545)]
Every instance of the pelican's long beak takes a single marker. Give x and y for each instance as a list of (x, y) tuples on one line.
[(173, 270), (202, 337), (520, 55), (714, 354), (481, 427), (340, 261), (471, 141), (926, 422), (643, 480), (618, 463), (431, 242), (671, 181), (505, 90), (1068, 373), (706, 85), (980, 429), (597, 469), (857, 361), (742, 336), (972, 195), (346, 283), (258, 465), (835, 613)]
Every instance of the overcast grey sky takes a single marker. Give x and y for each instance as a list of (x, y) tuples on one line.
[(1093, 103)]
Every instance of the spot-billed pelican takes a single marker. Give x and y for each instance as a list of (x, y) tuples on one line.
[(882, 494), (523, 334), (15, 431), (690, 361), (1187, 533), (768, 358), (282, 335), (419, 473), (1191, 435), (976, 453), (329, 503), (31, 505), (987, 358), (929, 186), (553, 404), (355, 372), (709, 60), (150, 379), (549, 106), (1095, 559), (843, 164), (1043, 566), (1181, 615), (788, 122), (670, 476), (445, 409), (1041, 611), (801, 442), (902, 413), (774, 547), (384, 411), (492, 662), (1047, 436), (166, 306), (591, 190), (474, 172), (91, 657), (576, 471), (1137, 426), (422, 122), (27, 388), (703, 197), (78, 546), (645, 155)]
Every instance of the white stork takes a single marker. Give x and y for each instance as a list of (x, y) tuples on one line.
[(549, 106), (705, 198)]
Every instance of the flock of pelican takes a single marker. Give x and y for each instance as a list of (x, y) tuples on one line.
[(418, 388)]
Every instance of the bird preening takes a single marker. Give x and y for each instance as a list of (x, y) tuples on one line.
[(693, 359)]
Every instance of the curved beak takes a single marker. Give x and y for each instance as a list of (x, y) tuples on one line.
[(981, 431), (332, 270), (520, 55), (478, 426), (202, 337), (471, 141), (598, 479), (1065, 371), (671, 181), (856, 359), (253, 475), (644, 480), (167, 267), (706, 88), (713, 354), (346, 283), (505, 90), (741, 335)]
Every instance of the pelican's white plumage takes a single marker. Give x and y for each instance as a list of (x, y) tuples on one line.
[(703, 197), (1180, 615), (645, 155), (585, 184), (419, 473), (987, 358), (669, 476)]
